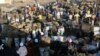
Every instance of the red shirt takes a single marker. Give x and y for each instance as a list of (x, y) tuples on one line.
[(33, 8)]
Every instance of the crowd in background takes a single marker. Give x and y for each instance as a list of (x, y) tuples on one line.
[(55, 29)]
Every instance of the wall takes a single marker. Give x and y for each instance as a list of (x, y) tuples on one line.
[(9, 1), (6, 1), (2, 1)]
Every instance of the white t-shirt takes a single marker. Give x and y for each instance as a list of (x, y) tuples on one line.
[(61, 12), (96, 30), (47, 28), (58, 15), (23, 18), (22, 51), (17, 19), (9, 18), (70, 17), (34, 33), (61, 38), (88, 15), (77, 15)]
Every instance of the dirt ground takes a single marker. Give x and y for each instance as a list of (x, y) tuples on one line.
[(8, 7)]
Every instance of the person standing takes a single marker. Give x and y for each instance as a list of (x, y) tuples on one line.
[(93, 19), (77, 17), (22, 51), (29, 47)]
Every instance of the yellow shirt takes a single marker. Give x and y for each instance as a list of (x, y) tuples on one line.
[(40, 17), (50, 15), (88, 12)]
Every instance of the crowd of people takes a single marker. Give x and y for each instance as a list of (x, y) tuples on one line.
[(54, 29)]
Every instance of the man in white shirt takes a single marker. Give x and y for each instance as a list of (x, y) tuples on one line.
[(58, 15), (70, 16), (34, 33), (22, 51)]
